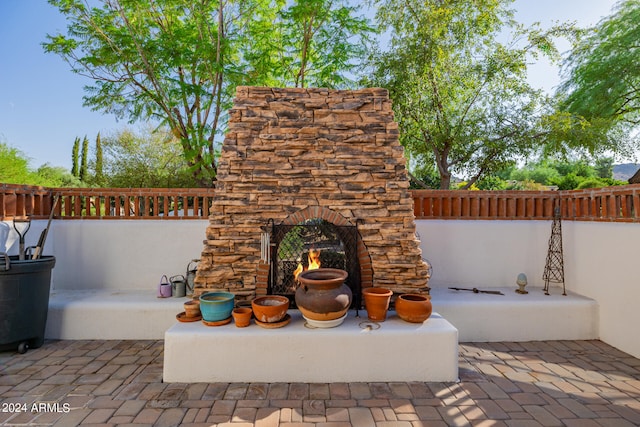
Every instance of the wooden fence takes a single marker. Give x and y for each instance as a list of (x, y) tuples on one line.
[(105, 203), (618, 203)]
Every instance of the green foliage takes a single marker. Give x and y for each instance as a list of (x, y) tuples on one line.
[(56, 176), (569, 181), (99, 165), (14, 169), (84, 162), (602, 75), (544, 174), (492, 183), (563, 174), (307, 43), (591, 183), (14, 166), (292, 243), (178, 62), (464, 185), (319, 41), (526, 185), (75, 157), (144, 158), (460, 96), (424, 174), (604, 167), (602, 79), (170, 60)]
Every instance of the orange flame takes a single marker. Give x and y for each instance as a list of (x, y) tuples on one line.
[(313, 261)]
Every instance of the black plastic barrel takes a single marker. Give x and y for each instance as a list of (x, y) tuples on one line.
[(24, 301)]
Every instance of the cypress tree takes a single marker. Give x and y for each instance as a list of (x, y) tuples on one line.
[(74, 157), (85, 160), (99, 171)]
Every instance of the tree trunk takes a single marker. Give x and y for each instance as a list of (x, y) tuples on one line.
[(443, 170), (445, 181)]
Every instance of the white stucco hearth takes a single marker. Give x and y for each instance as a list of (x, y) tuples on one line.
[(131, 314), (514, 317), (396, 351), (110, 315)]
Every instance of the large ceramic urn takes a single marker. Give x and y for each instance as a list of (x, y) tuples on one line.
[(323, 294)]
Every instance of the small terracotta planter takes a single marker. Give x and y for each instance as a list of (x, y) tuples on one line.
[(414, 308), (376, 301), (192, 308), (242, 316), (270, 308)]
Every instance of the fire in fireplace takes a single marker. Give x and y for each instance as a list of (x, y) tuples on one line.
[(313, 262), (314, 243)]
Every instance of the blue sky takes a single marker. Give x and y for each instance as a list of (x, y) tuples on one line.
[(41, 111)]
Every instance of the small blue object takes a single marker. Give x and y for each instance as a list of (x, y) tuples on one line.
[(522, 279), (216, 306)]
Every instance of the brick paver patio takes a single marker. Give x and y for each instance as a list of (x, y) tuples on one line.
[(550, 383)]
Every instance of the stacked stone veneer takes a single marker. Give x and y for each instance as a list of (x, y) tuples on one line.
[(295, 154)]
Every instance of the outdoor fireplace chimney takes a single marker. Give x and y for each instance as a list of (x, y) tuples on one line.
[(295, 155)]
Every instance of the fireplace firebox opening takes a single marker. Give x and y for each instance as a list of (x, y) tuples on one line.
[(313, 243)]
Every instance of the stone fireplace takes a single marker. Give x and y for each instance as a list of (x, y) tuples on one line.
[(311, 156)]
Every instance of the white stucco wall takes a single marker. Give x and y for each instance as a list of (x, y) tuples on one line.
[(114, 255), (604, 265), (9, 240), (484, 253), (598, 258), (600, 262)]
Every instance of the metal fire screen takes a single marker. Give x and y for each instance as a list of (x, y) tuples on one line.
[(291, 244)]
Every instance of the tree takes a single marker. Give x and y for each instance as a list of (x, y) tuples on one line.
[(565, 174), (319, 41), (604, 167), (84, 160), (602, 78), (172, 61), (144, 157), (600, 91), (14, 166), (461, 97), (99, 166), (75, 156), (14, 169), (57, 176), (178, 62)]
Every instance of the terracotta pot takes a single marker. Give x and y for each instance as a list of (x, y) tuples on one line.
[(192, 308), (242, 316), (376, 301), (322, 294), (414, 308), (270, 308)]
